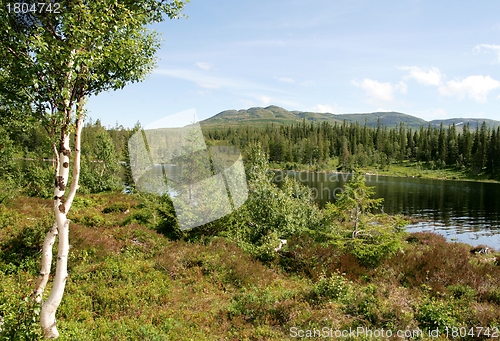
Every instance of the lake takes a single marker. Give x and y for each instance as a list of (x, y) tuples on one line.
[(463, 211)]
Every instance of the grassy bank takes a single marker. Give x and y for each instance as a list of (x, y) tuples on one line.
[(128, 282), (405, 169)]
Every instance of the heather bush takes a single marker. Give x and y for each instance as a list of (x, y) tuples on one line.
[(438, 264), (116, 207), (130, 283)]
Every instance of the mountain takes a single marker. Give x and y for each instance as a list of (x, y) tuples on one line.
[(273, 114), (473, 122)]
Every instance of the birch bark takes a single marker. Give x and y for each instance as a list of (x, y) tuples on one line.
[(60, 229)]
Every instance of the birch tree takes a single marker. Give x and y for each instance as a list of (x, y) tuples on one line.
[(54, 55)]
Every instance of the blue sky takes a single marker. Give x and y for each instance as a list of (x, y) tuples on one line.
[(430, 59)]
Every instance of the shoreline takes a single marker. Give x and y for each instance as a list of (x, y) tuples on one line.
[(388, 174)]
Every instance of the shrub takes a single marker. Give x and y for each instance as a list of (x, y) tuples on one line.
[(115, 208), (8, 189), (435, 313), (335, 287), (270, 212), (20, 320), (432, 261), (20, 251), (99, 165), (167, 223), (492, 296), (252, 305), (20, 314), (368, 237), (262, 307), (91, 220), (6, 153), (38, 180), (461, 291), (370, 306)]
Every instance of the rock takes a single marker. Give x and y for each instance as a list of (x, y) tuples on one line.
[(481, 250), (282, 243)]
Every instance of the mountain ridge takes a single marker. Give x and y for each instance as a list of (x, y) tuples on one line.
[(274, 114)]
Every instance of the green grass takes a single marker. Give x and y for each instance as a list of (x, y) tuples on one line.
[(422, 170), (127, 282), (406, 169)]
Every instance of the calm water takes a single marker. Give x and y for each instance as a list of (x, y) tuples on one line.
[(460, 210)]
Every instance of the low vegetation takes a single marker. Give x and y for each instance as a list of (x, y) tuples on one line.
[(133, 275)]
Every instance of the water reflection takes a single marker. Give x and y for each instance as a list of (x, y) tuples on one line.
[(460, 210)]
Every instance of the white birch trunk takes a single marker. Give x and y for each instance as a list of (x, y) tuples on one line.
[(48, 244), (50, 239), (49, 307), (61, 208)]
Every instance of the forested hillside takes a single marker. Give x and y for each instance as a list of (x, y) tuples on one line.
[(339, 146), (356, 145), (273, 114)]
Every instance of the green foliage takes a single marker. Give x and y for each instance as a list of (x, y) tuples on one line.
[(355, 204), (6, 154), (491, 296), (464, 292), (370, 238), (168, 224), (271, 212), (38, 180), (91, 220), (435, 313), (20, 318), (19, 250), (9, 188), (83, 202), (252, 304), (99, 167), (334, 287), (130, 283), (262, 306), (115, 207), (319, 142)]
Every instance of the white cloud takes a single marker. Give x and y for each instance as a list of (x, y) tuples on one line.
[(204, 65), (265, 100), (202, 79), (286, 79), (494, 48), (378, 91), (425, 76), (476, 87), (325, 108), (401, 87)]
